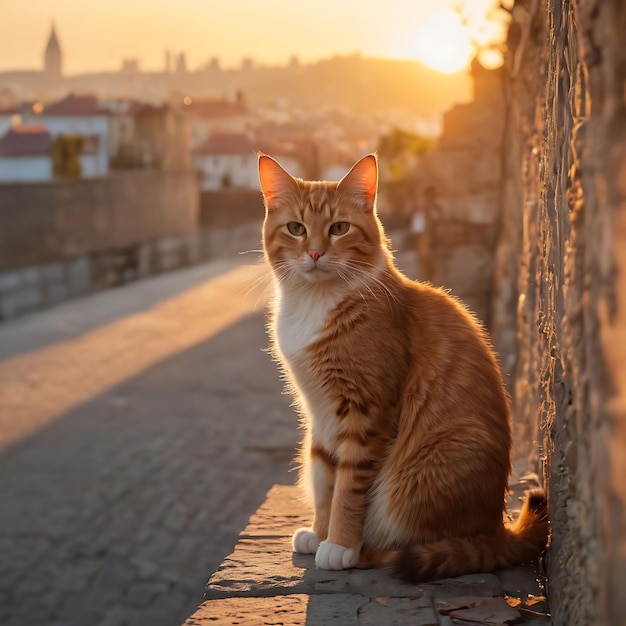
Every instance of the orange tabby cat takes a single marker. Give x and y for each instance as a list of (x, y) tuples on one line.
[(407, 446)]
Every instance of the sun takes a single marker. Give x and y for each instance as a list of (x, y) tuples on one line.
[(442, 43)]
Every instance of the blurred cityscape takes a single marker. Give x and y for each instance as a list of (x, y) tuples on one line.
[(121, 175), (318, 117)]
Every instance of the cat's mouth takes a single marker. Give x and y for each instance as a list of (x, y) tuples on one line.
[(315, 272)]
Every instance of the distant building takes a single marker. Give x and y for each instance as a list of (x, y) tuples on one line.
[(79, 115), (8, 118), (226, 160), (148, 136), (25, 154), (229, 160), (210, 117), (181, 64), (130, 66), (290, 155), (53, 57)]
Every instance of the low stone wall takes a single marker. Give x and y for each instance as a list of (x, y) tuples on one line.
[(62, 220), (28, 289), (67, 238)]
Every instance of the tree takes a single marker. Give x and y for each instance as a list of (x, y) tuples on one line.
[(66, 151)]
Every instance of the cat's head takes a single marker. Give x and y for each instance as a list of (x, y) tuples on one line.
[(322, 231)]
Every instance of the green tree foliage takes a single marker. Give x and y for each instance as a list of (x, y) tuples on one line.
[(401, 150), (399, 142), (66, 150)]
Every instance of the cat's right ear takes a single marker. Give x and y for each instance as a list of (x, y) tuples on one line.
[(275, 181)]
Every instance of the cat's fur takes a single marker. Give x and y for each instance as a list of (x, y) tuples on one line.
[(407, 442)]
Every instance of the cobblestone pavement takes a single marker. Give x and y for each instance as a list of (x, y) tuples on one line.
[(139, 429)]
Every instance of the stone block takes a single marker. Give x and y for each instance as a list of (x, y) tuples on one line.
[(300, 609), (10, 281), (53, 272), (145, 257), (285, 610), (31, 276), (191, 246), (79, 279), (56, 292), (29, 298)]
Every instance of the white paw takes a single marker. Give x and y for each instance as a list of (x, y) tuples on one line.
[(333, 556), (305, 541)]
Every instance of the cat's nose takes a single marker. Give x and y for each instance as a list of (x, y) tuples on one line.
[(315, 254)]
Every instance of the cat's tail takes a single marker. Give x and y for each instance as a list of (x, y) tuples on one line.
[(519, 542)]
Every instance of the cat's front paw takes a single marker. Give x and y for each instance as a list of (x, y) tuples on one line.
[(305, 541), (333, 556)]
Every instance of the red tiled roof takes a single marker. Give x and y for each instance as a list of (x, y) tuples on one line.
[(273, 147), (226, 143), (216, 108), (74, 106), (32, 140)]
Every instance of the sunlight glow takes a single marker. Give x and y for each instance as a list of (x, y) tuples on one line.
[(443, 43)]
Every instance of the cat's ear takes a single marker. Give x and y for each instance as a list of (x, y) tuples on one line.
[(275, 181), (361, 182)]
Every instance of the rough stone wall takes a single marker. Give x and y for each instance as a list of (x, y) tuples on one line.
[(561, 273)]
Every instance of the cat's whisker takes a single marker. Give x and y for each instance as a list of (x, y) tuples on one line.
[(346, 279), (369, 276), (260, 283)]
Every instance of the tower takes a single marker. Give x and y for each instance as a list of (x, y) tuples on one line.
[(52, 60)]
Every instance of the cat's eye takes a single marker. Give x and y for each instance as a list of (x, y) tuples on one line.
[(340, 228), (295, 228)]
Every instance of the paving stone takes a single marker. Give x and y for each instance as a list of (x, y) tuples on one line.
[(142, 593), (396, 612), (283, 610)]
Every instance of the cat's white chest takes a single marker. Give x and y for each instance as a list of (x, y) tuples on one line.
[(300, 319)]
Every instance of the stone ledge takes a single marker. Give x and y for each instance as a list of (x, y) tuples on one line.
[(262, 582)]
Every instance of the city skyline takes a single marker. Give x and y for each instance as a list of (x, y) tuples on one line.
[(98, 36)]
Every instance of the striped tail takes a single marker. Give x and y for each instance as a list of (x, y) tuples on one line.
[(520, 542)]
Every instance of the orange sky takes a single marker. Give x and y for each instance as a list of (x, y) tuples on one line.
[(97, 34)]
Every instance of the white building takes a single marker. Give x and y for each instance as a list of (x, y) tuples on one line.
[(8, 119), (80, 115), (226, 160), (25, 154), (230, 160), (209, 117)]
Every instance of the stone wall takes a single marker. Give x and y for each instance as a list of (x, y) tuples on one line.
[(561, 274), (465, 174), (63, 239), (62, 220), (230, 222)]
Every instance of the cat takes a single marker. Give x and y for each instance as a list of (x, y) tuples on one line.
[(406, 452)]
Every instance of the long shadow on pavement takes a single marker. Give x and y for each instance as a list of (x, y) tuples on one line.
[(116, 513)]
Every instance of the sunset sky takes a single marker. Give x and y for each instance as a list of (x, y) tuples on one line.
[(97, 34)]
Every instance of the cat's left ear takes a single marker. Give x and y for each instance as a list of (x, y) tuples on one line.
[(361, 182), (275, 181)]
